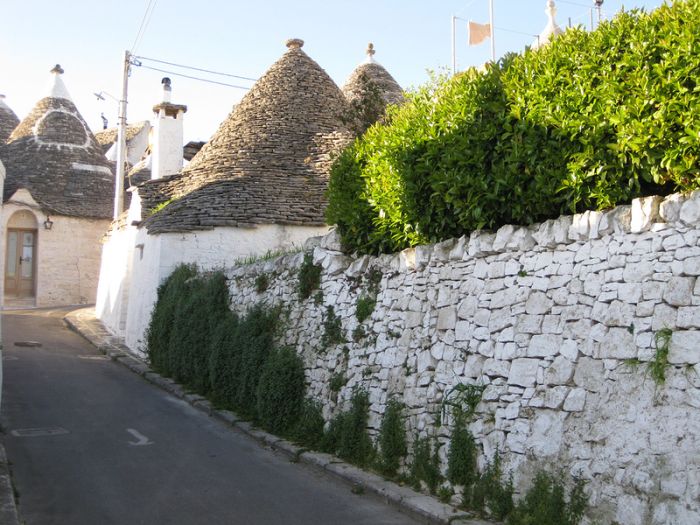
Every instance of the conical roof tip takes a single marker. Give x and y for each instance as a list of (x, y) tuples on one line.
[(294, 43), (372, 72), (57, 88), (551, 30), (370, 54)]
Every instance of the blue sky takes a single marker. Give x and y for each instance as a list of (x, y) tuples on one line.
[(88, 38)]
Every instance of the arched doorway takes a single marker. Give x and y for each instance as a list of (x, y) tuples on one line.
[(20, 256)]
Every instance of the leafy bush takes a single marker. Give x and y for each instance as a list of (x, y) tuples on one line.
[(281, 391), (365, 307), (590, 121), (461, 459), (170, 294), (308, 430), (309, 277), (392, 438), (196, 319), (347, 433), (545, 503), (491, 491), (332, 329), (425, 466)]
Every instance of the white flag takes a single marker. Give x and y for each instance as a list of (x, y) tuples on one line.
[(478, 33)]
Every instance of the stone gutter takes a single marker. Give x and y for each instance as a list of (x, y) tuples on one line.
[(420, 506)]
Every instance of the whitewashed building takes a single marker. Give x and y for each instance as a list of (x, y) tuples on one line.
[(57, 201)]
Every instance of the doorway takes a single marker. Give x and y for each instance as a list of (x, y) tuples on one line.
[(20, 262)]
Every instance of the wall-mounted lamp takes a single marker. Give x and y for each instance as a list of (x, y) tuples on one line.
[(48, 223)]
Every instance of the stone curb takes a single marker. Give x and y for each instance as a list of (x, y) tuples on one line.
[(8, 507), (420, 506)]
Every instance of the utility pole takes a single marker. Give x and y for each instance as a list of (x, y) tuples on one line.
[(454, 46), (121, 141), (493, 32)]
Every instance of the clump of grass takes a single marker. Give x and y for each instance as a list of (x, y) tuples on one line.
[(309, 277)]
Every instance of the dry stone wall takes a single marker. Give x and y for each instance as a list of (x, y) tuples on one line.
[(559, 322)]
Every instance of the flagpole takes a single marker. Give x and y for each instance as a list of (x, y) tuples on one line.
[(454, 47), (493, 32)]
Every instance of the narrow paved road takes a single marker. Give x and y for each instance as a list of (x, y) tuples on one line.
[(91, 443)]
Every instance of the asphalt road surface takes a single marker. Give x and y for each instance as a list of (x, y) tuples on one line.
[(92, 443)]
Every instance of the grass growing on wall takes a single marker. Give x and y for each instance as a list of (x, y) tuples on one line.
[(590, 121)]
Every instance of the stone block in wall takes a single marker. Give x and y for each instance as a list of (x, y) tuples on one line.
[(481, 243), (645, 212), (575, 401), (358, 267), (553, 232), (678, 291), (496, 368), (407, 260), (544, 345), (547, 432), (312, 242), (331, 241), (685, 347), (590, 374), (442, 251), (523, 372), (690, 210), (538, 303), (670, 207), (423, 254), (559, 372), (460, 250)]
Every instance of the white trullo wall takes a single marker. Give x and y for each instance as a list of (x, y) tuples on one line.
[(67, 255), (135, 263)]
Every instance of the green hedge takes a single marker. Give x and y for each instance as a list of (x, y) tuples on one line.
[(590, 121), (194, 338)]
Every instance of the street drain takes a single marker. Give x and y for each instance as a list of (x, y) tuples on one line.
[(28, 343), (38, 432)]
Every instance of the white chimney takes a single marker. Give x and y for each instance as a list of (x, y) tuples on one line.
[(166, 152)]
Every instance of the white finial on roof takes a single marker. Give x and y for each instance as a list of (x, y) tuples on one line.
[(58, 88), (370, 54), (294, 43), (551, 30)]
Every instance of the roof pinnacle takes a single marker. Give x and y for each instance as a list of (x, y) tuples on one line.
[(294, 43), (57, 69)]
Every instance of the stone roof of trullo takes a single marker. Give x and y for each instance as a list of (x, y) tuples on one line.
[(269, 160), (54, 155), (373, 73), (107, 137), (8, 120)]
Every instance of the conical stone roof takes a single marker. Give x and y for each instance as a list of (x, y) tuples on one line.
[(269, 160), (54, 155), (371, 73), (8, 120)]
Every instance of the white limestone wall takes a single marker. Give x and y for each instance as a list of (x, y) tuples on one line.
[(156, 256), (68, 255), (557, 321), (69, 260)]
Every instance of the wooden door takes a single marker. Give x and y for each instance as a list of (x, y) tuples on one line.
[(20, 262)]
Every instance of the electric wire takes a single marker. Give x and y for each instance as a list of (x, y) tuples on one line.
[(197, 69), (193, 78), (150, 7)]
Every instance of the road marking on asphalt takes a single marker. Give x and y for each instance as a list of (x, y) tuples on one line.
[(94, 357), (39, 432), (10, 358), (141, 440), (28, 343)]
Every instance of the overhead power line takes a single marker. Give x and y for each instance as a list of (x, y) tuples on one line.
[(193, 77), (197, 69), (144, 23)]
